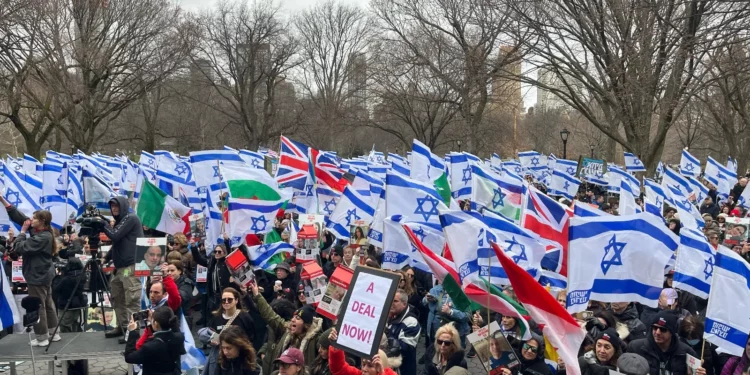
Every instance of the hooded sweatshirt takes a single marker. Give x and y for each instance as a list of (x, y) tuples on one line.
[(123, 235), (673, 361)]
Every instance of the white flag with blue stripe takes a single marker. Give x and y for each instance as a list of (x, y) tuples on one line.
[(617, 258), (521, 245), (327, 199), (722, 177), (654, 197), (17, 193), (553, 279), (31, 165), (513, 166), (628, 206), (694, 265), (9, 315), (689, 165), (460, 176), (563, 184), (728, 312), (659, 170), (399, 165), (352, 209), (633, 164), (581, 209), (469, 240), (375, 235), (57, 193), (414, 200), (253, 159), (399, 252), (568, 167), (425, 166), (700, 190), (252, 216)]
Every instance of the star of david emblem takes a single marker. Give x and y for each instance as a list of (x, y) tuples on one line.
[(467, 175), (708, 270), (150, 163), (689, 167), (599, 175), (12, 197), (522, 255), (566, 186), (329, 205), (421, 234), (256, 223), (616, 258), (308, 190), (432, 211), (571, 170), (60, 181), (535, 161), (255, 163), (216, 171), (180, 169), (70, 191), (518, 169), (636, 162), (351, 214), (17, 167), (497, 198), (658, 202)]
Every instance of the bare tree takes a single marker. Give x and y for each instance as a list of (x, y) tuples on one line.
[(629, 66), (335, 66), (245, 55), (460, 43)]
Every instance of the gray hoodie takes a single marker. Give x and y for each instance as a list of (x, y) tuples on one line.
[(127, 228), (36, 250)]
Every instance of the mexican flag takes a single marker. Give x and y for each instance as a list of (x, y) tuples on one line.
[(559, 326), (159, 211), (250, 183)]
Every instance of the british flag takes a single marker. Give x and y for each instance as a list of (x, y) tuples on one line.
[(550, 220), (328, 172), (294, 164)]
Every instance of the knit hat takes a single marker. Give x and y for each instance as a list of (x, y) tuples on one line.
[(306, 313), (632, 364), (338, 250), (666, 319), (323, 340), (611, 336)]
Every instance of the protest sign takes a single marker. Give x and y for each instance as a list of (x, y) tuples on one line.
[(692, 364), (149, 253), (591, 167), (314, 279), (201, 274), (309, 247), (362, 320), (358, 240), (736, 228), (335, 292), (197, 226), (493, 349), (240, 268), (17, 274)]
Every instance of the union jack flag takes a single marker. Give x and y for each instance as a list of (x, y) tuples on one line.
[(550, 220), (294, 164), (327, 171)]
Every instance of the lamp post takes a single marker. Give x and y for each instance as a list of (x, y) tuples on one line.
[(458, 142), (591, 146), (564, 136)]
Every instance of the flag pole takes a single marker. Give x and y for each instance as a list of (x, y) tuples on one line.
[(489, 291), (221, 197), (703, 348)]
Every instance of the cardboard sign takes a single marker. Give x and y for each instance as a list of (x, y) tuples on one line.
[(335, 292), (736, 228), (692, 364), (493, 349), (590, 167), (362, 321), (149, 253), (240, 268), (358, 240), (17, 274), (197, 226), (315, 282), (309, 245), (201, 274)]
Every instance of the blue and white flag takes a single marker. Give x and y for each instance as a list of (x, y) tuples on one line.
[(617, 258), (9, 314), (460, 176), (375, 235), (398, 251), (568, 167), (615, 175), (633, 164), (521, 245), (654, 197), (728, 312), (206, 165), (732, 164), (659, 170), (500, 193), (399, 165), (425, 166), (266, 257), (694, 265), (513, 166), (31, 165), (352, 209), (414, 200), (563, 184), (57, 194), (689, 165), (581, 209), (700, 190), (690, 216), (96, 190), (496, 162), (553, 279), (304, 201), (378, 170), (673, 180), (532, 160), (595, 176), (628, 206), (19, 194), (722, 177), (254, 216), (469, 240), (327, 199), (253, 159)]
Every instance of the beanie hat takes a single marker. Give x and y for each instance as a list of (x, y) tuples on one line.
[(610, 335), (306, 313), (632, 364), (666, 319)]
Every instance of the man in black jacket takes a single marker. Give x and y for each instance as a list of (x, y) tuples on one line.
[(125, 287), (64, 289), (665, 353)]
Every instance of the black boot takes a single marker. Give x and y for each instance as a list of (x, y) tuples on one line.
[(117, 332)]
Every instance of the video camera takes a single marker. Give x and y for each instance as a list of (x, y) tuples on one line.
[(92, 223)]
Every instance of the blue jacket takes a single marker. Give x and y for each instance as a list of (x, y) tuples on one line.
[(436, 317)]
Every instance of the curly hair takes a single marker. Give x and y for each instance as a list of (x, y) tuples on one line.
[(233, 335)]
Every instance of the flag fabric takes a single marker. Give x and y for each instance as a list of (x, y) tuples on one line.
[(582, 209), (618, 258), (563, 184), (266, 257), (694, 265), (327, 199), (460, 176), (689, 165), (253, 159), (399, 165), (615, 175), (659, 170), (251, 216), (677, 183), (327, 170), (304, 201), (426, 166), (550, 220), (728, 312), (352, 209), (568, 167), (55, 196), (560, 328), (532, 160), (294, 164), (512, 166), (31, 165), (399, 252), (249, 183), (18, 194), (375, 235), (414, 200), (502, 194), (193, 356), (633, 164), (732, 164), (654, 197), (628, 205), (159, 211), (96, 191), (9, 314), (206, 164), (553, 280), (521, 245), (722, 177), (700, 190)]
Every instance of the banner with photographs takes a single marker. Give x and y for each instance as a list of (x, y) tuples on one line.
[(197, 226), (493, 349), (240, 268), (201, 274), (315, 282), (308, 244), (17, 272), (335, 292), (358, 240), (149, 255)]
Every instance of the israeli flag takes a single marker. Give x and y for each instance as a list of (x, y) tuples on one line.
[(676, 182), (431, 238), (633, 164), (399, 165), (532, 160), (728, 312), (654, 197), (304, 201), (581, 209), (251, 216), (690, 216), (700, 190), (327, 199), (627, 200), (17, 193), (694, 266), (470, 242), (568, 167), (553, 280), (253, 159), (689, 165), (732, 164), (398, 251), (659, 170), (352, 209), (148, 159), (55, 193), (513, 166), (722, 177), (564, 184), (425, 166), (206, 165), (617, 258), (496, 162), (375, 235), (414, 200), (460, 176), (521, 245), (31, 165), (9, 314), (378, 170)]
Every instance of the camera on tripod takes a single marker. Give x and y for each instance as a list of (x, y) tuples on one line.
[(92, 223)]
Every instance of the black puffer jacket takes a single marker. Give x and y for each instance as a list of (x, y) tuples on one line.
[(673, 360), (123, 235), (64, 285), (159, 355), (236, 366), (635, 327)]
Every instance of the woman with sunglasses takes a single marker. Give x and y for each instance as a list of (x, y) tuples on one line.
[(218, 276), (237, 356), (378, 365), (532, 357), (446, 353), (230, 313)]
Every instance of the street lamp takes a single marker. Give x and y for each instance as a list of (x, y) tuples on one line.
[(591, 146), (564, 136), (458, 142)]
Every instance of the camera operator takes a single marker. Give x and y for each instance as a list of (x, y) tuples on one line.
[(125, 287), (64, 289), (160, 353), (37, 250)]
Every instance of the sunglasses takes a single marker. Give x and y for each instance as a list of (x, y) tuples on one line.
[(218, 252), (286, 365), (227, 300), (530, 348), (660, 329), (444, 342)]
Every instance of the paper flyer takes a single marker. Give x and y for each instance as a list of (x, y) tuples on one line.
[(335, 292)]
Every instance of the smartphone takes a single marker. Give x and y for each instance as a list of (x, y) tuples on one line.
[(586, 315)]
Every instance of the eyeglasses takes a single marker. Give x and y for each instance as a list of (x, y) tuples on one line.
[(660, 329), (444, 342), (530, 348), (227, 300)]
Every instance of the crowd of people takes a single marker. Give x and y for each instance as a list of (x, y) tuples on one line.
[(268, 328)]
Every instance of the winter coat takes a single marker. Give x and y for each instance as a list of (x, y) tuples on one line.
[(536, 366), (217, 276), (280, 339), (63, 287), (36, 250), (159, 354), (405, 328), (709, 352), (629, 327), (174, 302), (431, 366), (674, 360), (337, 364), (236, 366), (185, 285), (590, 365), (215, 324), (711, 209), (123, 235), (436, 318)]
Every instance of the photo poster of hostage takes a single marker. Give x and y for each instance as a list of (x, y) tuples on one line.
[(315, 282), (149, 255), (240, 268), (493, 349), (358, 240), (335, 292), (362, 319), (308, 239), (197, 226), (736, 228)]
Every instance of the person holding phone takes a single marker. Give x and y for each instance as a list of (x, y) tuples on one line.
[(160, 353)]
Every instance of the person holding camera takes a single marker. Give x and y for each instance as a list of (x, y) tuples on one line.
[(37, 249), (69, 287), (160, 353), (125, 287)]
